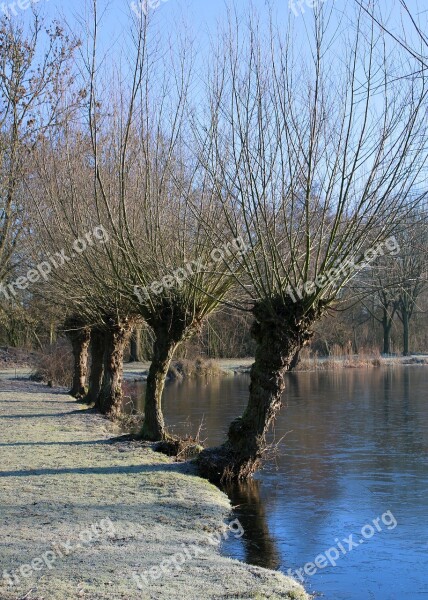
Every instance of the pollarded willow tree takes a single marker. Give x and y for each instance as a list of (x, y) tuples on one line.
[(314, 154), (175, 301), (81, 263), (144, 175)]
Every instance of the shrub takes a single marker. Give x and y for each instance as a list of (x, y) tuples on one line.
[(54, 364), (190, 369)]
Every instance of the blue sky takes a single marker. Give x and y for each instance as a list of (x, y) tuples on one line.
[(200, 18), (202, 15)]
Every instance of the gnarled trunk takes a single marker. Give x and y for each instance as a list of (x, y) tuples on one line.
[(280, 329), (163, 352), (79, 338), (110, 398), (97, 365), (172, 323)]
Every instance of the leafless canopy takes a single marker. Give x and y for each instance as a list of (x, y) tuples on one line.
[(313, 156)]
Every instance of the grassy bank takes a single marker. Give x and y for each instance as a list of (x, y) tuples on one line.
[(81, 513)]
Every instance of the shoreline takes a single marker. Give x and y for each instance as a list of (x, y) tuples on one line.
[(63, 474), (138, 371)]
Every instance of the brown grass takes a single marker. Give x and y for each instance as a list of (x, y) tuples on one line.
[(340, 358)]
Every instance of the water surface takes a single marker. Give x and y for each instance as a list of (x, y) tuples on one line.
[(352, 445)]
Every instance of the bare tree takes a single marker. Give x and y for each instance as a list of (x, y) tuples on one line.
[(315, 159), (386, 305), (395, 283), (144, 176), (80, 257), (135, 346), (411, 274), (34, 64), (377, 291)]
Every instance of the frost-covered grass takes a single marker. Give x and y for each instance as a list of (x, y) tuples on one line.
[(60, 473)]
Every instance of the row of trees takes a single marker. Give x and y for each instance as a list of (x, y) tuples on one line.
[(359, 323), (155, 199), (399, 283)]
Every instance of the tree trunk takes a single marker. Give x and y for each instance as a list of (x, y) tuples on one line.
[(163, 352), (109, 401), (135, 355), (79, 339), (295, 361), (280, 329), (97, 365), (327, 348), (386, 325), (355, 346), (52, 337), (406, 351), (172, 323)]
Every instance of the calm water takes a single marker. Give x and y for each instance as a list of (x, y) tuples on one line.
[(355, 447)]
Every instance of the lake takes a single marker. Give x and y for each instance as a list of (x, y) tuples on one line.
[(348, 482)]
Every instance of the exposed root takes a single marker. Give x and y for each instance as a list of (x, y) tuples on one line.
[(80, 397), (181, 449), (114, 412), (221, 465)]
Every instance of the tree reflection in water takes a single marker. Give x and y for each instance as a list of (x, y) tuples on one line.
[(258, 545)]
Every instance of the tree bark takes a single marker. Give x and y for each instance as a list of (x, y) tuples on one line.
[(163, 352), (172, 324), (295, 361), (280, 329), (97, 365), (79, 338), (109, 401), (135, 355)]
